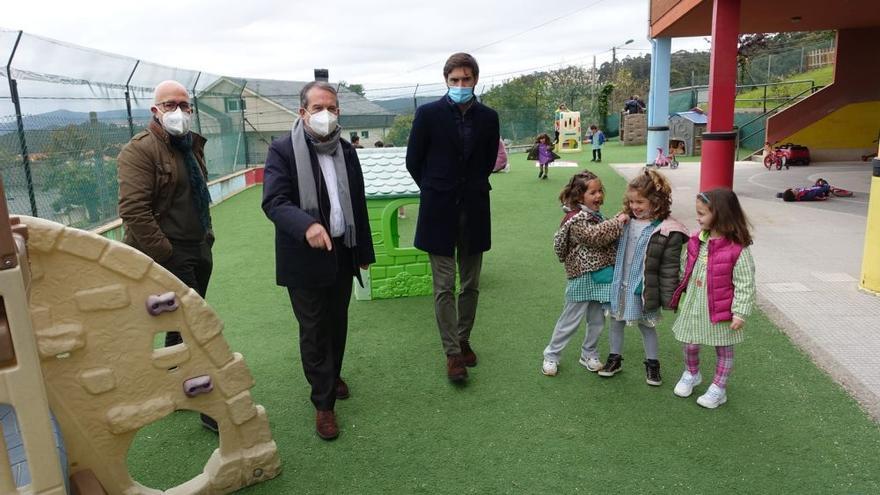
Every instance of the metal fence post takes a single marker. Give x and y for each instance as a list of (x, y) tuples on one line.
[(25, 157), (243, 133), (765, 99), (128, 99), (537, 117), (95, 129), (415, 98), (196, 104)]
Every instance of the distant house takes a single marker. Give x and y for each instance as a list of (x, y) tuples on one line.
[(270, 108), (400, 270)]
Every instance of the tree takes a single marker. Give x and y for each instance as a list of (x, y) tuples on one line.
[(602, 104), (354, 88), (399, 133), (626, 86), (689, 69), (749, 46), (83, 170), (522, 106)]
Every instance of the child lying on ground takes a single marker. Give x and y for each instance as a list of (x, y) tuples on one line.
[(817, 192)]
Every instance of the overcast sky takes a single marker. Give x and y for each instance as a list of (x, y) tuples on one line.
[(381, 44)]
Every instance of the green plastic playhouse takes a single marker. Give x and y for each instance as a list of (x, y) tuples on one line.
[(400, 270)]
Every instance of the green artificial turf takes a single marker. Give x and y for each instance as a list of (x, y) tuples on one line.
[(787, 427)]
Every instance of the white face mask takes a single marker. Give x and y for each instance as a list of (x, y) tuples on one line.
[(177, 123), (322, 123)]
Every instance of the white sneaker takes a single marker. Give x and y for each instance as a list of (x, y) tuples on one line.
[(550, 368), (713, 397), (592, 364), (685, 386)]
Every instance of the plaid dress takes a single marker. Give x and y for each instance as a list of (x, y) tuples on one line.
[(627, 303), (693, 325), (583, 288)]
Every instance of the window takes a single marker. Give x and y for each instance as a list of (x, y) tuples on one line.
[(352, 135), (365, 134), (235, 105)]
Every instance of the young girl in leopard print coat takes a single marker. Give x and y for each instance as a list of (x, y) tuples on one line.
[(586, 243)]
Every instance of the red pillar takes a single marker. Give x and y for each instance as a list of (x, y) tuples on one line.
[(719, 141)]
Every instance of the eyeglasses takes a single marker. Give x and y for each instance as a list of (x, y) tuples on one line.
[(170, 106)]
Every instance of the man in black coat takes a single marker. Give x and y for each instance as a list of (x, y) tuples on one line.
[(450, 154), (313, 192)]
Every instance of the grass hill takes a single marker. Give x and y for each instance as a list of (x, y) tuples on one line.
[(787, 88)]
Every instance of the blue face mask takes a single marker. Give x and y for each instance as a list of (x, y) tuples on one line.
[(460, 94)]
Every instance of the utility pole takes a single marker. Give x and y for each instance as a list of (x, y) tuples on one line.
[(613, 64), (595, 77), (614, 71)]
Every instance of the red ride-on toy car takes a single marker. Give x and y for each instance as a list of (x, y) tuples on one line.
[(795, 154)]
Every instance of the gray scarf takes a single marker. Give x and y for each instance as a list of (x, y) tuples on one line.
[(308, 193)]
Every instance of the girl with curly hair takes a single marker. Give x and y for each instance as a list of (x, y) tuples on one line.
[(646, 270)]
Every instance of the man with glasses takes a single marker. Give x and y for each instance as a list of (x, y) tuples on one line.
[(163, 195), (313, 191)]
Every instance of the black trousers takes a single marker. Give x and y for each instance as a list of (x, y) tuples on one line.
[(597, 154), (192, 263), (322, 314)]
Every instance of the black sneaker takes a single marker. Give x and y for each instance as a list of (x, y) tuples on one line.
[(652, 372), (612, 365)]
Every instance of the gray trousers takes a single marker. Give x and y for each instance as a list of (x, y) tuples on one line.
[(649, 338), (567, 325), (456, 321)]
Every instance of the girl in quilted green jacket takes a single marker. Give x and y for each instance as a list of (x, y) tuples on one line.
[(586, 243)]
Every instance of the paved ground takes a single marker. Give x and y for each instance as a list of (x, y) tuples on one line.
[(808, 258)]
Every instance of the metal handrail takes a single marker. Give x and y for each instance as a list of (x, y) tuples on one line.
[(777, 107), (773, 110)]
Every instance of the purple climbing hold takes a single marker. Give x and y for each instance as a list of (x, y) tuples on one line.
[(198, 385), (160, 303)]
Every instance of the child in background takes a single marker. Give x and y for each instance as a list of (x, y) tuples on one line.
[(819, 191), (714, 314), (542, 151), (501, 164), (597, 138), (586, 243), (646, 269)]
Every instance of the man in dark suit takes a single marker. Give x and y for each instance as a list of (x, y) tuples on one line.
[(450, 154), (313, 192)]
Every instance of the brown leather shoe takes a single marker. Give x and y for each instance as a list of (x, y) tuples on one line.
[(325, 425), (455, 368), (468, 354), (342, 392)]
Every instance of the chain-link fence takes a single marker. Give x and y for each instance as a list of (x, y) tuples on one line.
[(67, 111)]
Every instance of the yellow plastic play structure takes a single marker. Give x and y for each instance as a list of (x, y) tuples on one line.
[(569, 126), (78, 316), (870, 279)]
